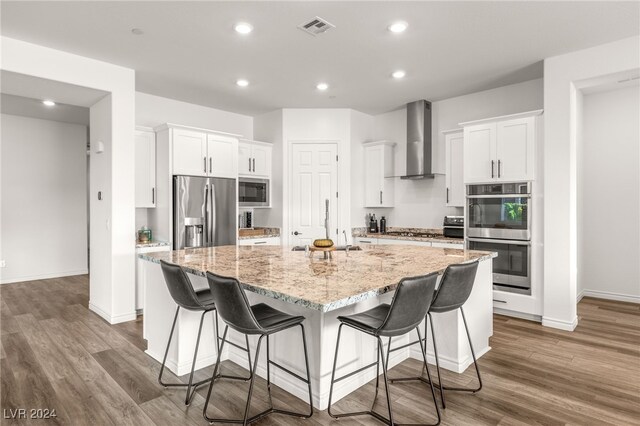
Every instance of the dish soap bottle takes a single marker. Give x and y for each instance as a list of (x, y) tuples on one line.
[(383, 225)]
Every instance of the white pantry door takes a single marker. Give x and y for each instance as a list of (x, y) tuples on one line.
[(314, 180)]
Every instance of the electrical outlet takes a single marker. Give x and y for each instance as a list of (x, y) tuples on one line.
[(3, 263)]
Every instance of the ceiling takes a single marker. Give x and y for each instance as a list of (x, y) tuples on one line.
[(190, 52), (30, 107)]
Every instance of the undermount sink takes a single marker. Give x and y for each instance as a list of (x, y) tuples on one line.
[(338, 248)]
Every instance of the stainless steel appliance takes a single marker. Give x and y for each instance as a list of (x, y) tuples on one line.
[(204, 212), (512, 267), (253, 192), (498, 219), (453, 226), (499, 211)]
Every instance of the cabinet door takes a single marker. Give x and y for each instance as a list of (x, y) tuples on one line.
[(479, 153), (189, 153), (374, 176), (244, 158), (223, 156), (261, 160), (515, 149), (454, 145), (145, 160)]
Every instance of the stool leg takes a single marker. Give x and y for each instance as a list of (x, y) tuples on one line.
[(215, 372), (473, 354), (166, 352), (423, 349), (386, 380), (269, 374), (191, 392), (333, 372), (375, 396), (435, 353), (253, 379)]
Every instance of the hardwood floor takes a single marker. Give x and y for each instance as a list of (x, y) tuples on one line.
[(56, 354)]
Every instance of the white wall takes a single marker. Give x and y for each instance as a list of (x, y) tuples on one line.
[(44, 181), (421, 203), (117, 296), (561, 74), (609, 195), (152, 111)]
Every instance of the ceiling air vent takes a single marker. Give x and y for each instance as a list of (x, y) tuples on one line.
[(316, 26)]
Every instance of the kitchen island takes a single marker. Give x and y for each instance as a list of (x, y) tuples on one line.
[(320, 290)]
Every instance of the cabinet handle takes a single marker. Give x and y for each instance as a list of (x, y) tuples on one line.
[(153, 195), (210, 166), (365, 242), (499, 164), (254, 164), (499, 301), (492, 164), (260, 242), (447, 195), (380, 197), (249, 164), (205, 164)]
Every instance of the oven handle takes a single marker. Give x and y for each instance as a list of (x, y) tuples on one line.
[(501, 196), (488, 240)]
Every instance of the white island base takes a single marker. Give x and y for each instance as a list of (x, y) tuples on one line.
[(356, 349)]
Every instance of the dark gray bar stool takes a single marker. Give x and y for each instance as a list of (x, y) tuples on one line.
[(455, 288), (408, 308), (186, 297), (263, 320)]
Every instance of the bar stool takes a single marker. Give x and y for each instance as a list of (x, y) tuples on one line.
[(186, 297), (455, 288), (263, 320), (408, 308)]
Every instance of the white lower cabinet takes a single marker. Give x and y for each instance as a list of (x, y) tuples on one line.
[(365, 240), (140, 277), (391, 241), (269, 241), (448, 245)]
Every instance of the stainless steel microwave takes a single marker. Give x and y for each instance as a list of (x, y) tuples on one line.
[(253, 192)]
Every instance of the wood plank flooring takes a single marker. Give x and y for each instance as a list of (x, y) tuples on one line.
[(56, 354)]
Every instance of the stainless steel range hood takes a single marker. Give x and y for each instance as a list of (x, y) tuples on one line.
[(419, 147)]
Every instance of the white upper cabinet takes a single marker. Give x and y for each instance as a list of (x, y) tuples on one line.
[(254, 159), (199, 152), (378, 174), (145, 160), (190, 153), (222, 153), (500, 149), (454, 173)]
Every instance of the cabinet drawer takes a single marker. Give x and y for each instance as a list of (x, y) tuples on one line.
[(270, 241), (365, 240), (448, 245)]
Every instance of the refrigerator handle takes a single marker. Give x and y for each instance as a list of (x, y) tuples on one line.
[(212, 215), (206, 215)]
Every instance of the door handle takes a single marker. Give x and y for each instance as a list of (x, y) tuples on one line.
[(499, 164), (297, 233), (205, 164), (447, 195), (254, 164), (249, 164), (153, 195), (210, 167), (380, 197), (492, 164)]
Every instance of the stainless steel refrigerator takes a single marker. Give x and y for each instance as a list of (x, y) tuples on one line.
[(204, 212)]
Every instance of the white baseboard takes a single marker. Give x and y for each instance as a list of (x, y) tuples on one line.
[(112, 319), (580, 296), (609, 296), (515, 314), (449, 363), (559, 324), (185, 367), (43, 276)]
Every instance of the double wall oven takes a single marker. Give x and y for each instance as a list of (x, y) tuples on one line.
[(498, 219)]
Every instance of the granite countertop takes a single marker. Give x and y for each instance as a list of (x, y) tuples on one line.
[(152, 244), (266, 233), (440, 238), (324, 285)]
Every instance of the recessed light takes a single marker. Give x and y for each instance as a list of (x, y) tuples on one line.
[(49, 103), (137, 31), (243, 28), (322, 86), (398, 27), (398, 74), (242, 83)]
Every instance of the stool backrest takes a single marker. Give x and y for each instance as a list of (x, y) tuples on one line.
[(455, 286), (232, 304), (179, 286), (410, 304)]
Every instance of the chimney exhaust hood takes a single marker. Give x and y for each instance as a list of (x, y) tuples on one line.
[(419, 145)]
